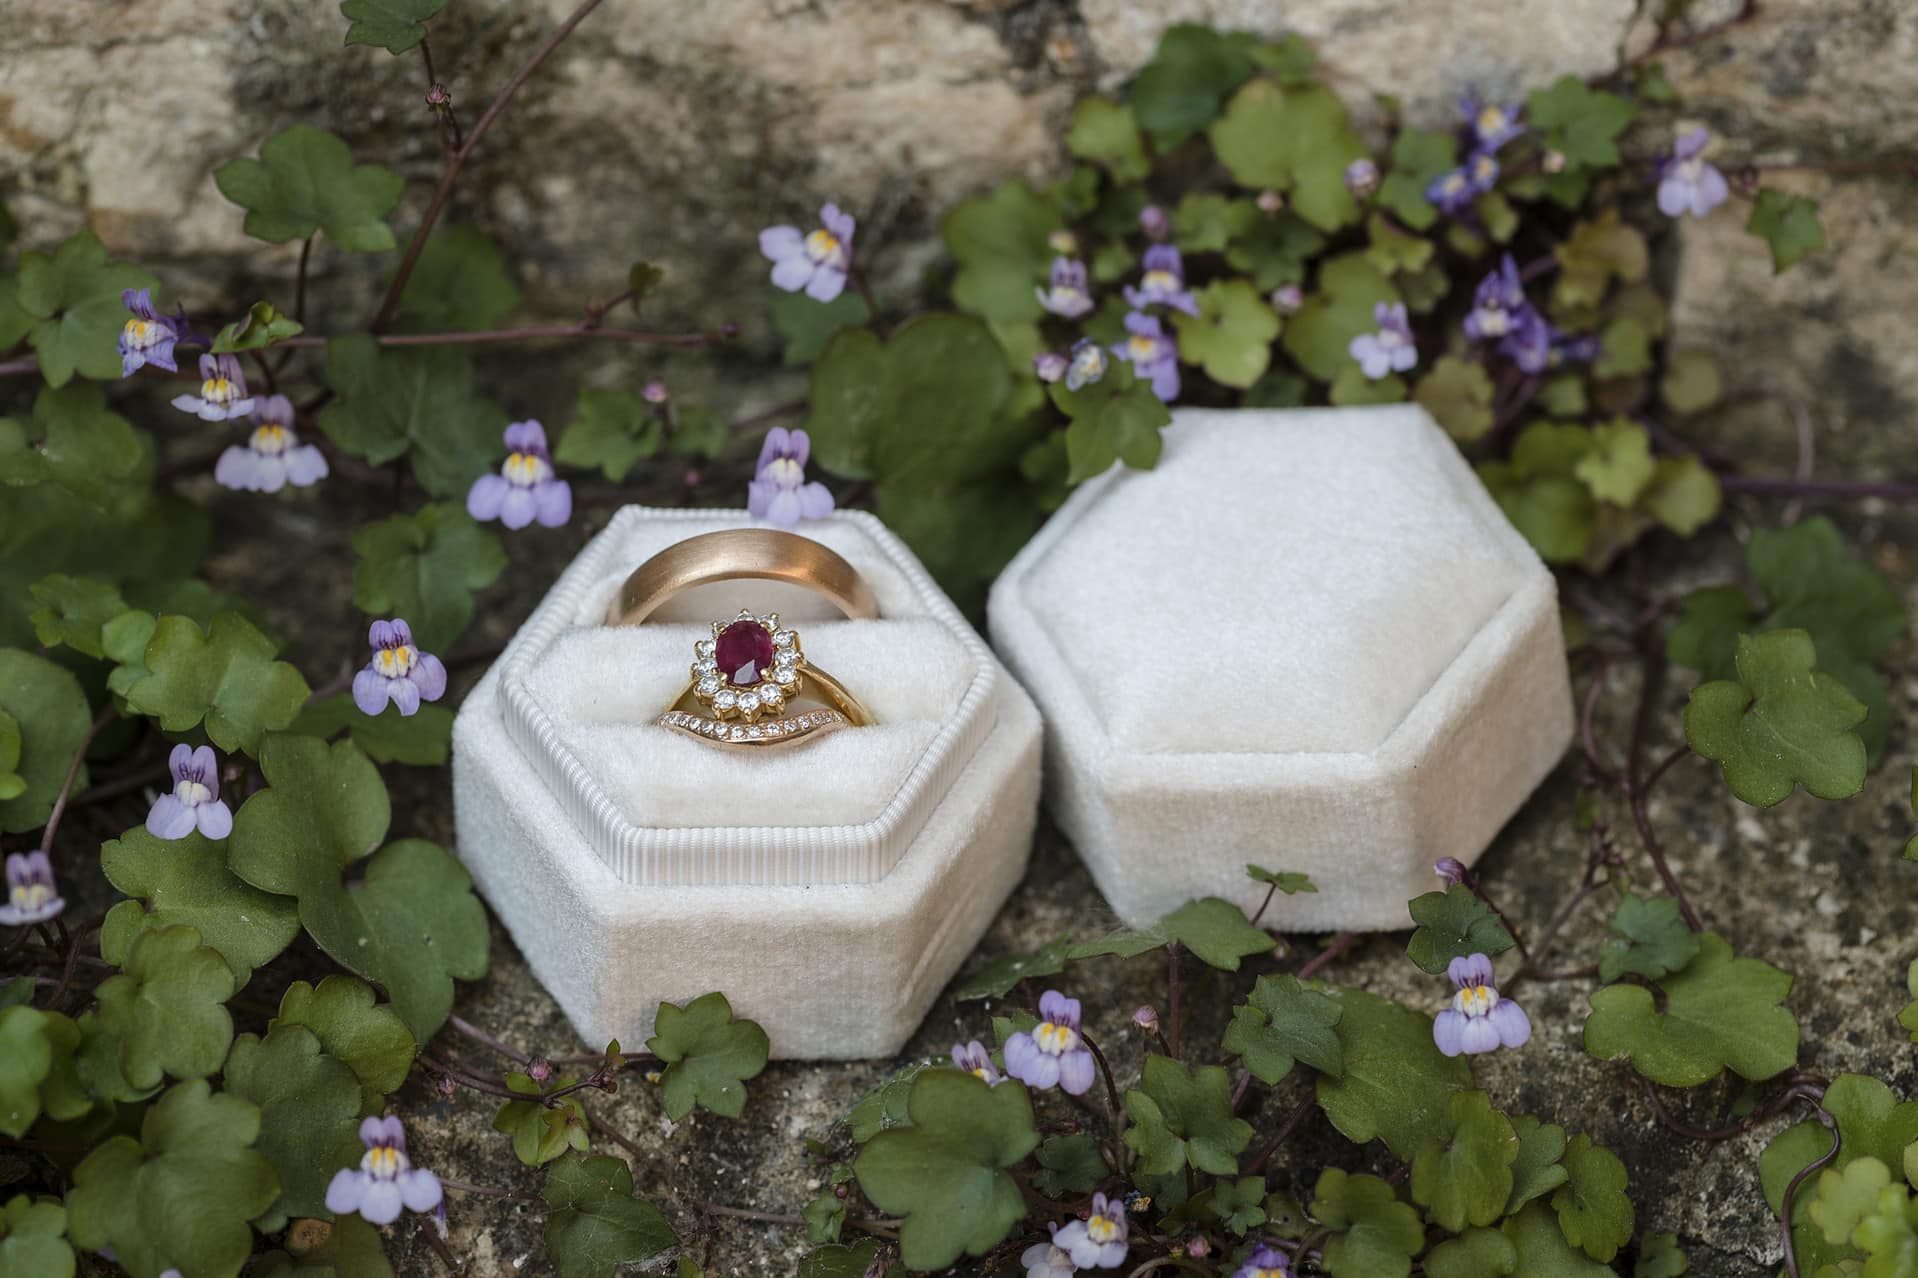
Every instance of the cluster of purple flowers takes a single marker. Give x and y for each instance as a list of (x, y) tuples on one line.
[(1500, 313), (1492, 126)]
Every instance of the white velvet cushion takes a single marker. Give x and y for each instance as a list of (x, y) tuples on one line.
[(579, 698), (1309, 640)]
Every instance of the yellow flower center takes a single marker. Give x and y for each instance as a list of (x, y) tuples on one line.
[(1476, 1000), (823, 246), (396, 663), (269, 439), (1485, 166), (1454, 183), (786, 472), (983, 1074), (383, 1161), (191, 792), (526, 469), (30, 896), (138, 332), (1160, 282), (218, 389), (1491, 119), (1142, 347), (1056, 1040), (1102, 1229)]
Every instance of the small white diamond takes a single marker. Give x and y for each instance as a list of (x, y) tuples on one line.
[(755, 731), (784, 639), (748, 703), (703, 649), (706, 669), (774, 729), (709, 686), (739, 733), (725, 700), (772, 694), (786, 675)]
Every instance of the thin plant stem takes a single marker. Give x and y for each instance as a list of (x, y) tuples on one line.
[(877, 1228), (390, 303), (1786, 486), (1791, 1190), (1341, 942), (73, 772), (487, 1191), (1286, 1128), (438, 1244), (463, 1026), (1116, 1109), (1172, 1000), (1639, 792)]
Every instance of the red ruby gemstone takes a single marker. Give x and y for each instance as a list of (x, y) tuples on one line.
[(743, 650)]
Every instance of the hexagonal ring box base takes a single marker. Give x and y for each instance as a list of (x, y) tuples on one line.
[(1307, 640), (829, 890)]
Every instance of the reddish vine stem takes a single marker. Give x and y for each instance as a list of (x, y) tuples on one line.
[(1341, 942), (438, 1244), (877, 1228), (1112, 1096), (487, 1191), (1587, 735), (105, 717), (1639, 791), (1666, 42), (1825, 1117), (611, 1133), (1785, 486), (444, 191), (463, 1026), (1286, 1128)]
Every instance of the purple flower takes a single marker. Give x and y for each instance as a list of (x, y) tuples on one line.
[(1099, 1241), (1154, 222), (977, 1061), (1087, 365), (1362, 177), (386, 1179), (1528, 343), (654, 391), (1046, 1260), (1162, 283), (1054, 1054), (526, 488), (1067, 295), (1454, 192), (779, 492), (1478, 1020), (398, 672), (1287, 298), (1049, 366), (1146, 1017), (222, 391), (816, 262), (31, 896), (1388, 350), (1272, 201), (1686, 183), (1154, 354), (1451, 869), (272, 456), (1492, 124), (195, 801), (149, 336), (1495, 307), (1265, 1261)]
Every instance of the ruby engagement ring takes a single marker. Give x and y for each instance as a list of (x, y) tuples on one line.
[(747, 682)]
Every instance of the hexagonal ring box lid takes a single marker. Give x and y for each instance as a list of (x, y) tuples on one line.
[(663, 809), (1307, 640)]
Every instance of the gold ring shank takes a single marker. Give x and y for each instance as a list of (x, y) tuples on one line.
[(762, 554)]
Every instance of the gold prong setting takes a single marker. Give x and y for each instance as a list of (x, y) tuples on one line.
[(775, 658)]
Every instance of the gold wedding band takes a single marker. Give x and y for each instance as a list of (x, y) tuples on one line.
[(733, 554)]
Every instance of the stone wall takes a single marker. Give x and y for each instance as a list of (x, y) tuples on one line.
[(673, 129)]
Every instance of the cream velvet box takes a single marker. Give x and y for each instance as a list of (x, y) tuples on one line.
[(1307, 640), (829, 890)]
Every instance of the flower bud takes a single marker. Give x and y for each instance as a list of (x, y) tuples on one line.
[(1147, 1019), (447, 1087), (1049, 365), (1287, 298), (654, 391), (1270, 201), (539, 1069), (1197, 1247), (1553, 161), (1451, 869), (1154, 222), (438, 98), (1361, 177)]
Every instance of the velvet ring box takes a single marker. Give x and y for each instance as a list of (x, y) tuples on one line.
[(829, 889), (1307, 640)]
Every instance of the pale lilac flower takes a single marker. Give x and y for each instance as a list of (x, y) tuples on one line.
[(31, 895), (1286, 299), (1154, 222), (1478, 1020), (654, 391), (386, 1179), (1497, 303), (977, 1061), (1451, 869), (149, 336), (1046, 1260), (779, 492), (222, 391), (1154, 354), (1686, 183), (1272, 201), (526, 488), (1362, 177), (1147, 1018), (817, 262), (1454, 192), (1265, 1261), (399, 672), (1068, 295), (1087, 365), (1054, 1053), (1493, 124), (1049, 366), (1163, 282), (1099, 1241), (1528, 343), (1390, 349), (272, 456), (195, 802)]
